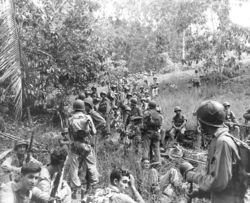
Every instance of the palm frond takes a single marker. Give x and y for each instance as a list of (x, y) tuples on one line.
[(10, 53)]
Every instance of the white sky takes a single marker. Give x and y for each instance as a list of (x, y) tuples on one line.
[(240, 14)]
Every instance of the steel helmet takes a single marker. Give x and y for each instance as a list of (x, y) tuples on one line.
[(78, 105), (103, 93), (126, 88), (225, 104), (129, 94), (143, 99), (88, 91), (19, 143), (81, 96), (89, 101), (211, 113), (141, 87), (133, 101), (152, 105), (177, 108), (127, 108), (158, 109)]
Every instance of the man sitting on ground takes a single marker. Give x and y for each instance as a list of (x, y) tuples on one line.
[(178, 123), (120, 180), (49, 173), (25, 190)]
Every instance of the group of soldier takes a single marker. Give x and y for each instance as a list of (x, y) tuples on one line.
[(136, 116)]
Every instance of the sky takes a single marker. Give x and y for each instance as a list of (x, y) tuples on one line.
[(240, 14)]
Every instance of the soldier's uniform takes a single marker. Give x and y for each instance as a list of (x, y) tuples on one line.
[(224, 181), (80, 127), (152, 122), (12, 165), (230, 119), (45, 184), (11, 193), (178, 121), (105, 109)]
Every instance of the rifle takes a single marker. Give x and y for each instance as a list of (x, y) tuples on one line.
[(57, 184), (190, 191), (29, 148), (236, 124)]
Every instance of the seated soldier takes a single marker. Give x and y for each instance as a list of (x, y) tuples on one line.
[(230, 120), (120, 180), (178, 123), (25, 190), (49, 174), (13, 164)]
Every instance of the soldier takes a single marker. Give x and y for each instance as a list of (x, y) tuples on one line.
[(25, 190), (144, 104), (88, 93), (135, 109), (148, 179), (121, 180), (48, 175), (127, 100), (81, 127), (155, 87), (152, 122), (81, 96), (134, 131), (224, 181), (178, 124), (98, 120), (230, 120), (105, 110), (94, 92), (13, 164), (96, 102)]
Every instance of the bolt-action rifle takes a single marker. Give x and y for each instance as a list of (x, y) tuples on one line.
[(57, 185)]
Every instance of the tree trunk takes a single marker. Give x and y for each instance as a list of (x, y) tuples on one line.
[(183, 45)]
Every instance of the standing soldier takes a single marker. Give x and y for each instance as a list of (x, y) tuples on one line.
[(105, 110), (135, 109), (81, 127), (98, 120), (134, 131), (230, 120), (178, 123), (144, 104), (152, 122), (155, 87), (224, 181), (13, 164), (94, 92)]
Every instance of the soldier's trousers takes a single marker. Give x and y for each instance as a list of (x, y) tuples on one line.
[(72, 167), (151, 145)]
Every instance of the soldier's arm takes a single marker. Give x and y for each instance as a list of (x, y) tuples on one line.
[(6, 194), (233, 117), (184, 123), (99, 119), (39, 197), (92, 125), (221, 170), (7, 167)]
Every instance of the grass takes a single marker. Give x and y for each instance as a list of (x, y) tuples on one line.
[(110, 154)]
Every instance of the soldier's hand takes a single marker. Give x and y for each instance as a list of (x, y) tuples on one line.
[(132, 180), (185, 167)]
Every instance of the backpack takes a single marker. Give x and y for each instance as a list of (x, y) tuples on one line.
[(244, 152), (153, 119), (79, 125)]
